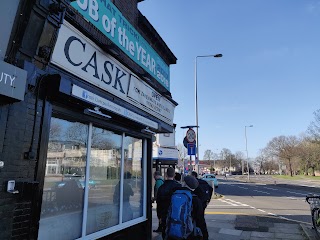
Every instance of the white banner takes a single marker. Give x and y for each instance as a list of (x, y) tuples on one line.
[(106, 104), (165, 153), (151, 99)]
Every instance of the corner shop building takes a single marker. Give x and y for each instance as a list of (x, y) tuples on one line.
[(78, 112)]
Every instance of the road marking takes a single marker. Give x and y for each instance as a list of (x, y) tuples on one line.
[(271, 188), (308, 186), (261, 191), (231, 203), (227, 205), (261, 210), (297, 193), (243, 187), (294, 198), (288, 219), (233, 213)]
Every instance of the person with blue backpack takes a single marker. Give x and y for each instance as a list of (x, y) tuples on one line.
[(185, 219), (164, 198)]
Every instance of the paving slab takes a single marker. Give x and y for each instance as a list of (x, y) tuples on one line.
[(289, 236), (292, 230), (262, 234), (308, 232), (230, 231)]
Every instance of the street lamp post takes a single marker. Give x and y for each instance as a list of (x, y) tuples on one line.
[(245, 134), (196, 104)]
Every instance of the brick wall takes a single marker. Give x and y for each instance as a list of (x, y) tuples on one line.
[(15, 209)]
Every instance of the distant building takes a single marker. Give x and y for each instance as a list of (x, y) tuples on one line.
[(165, 152)]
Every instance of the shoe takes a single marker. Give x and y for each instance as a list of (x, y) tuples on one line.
[(157, 230)]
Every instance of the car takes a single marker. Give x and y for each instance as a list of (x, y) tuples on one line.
[(211, 179), (78, 180)]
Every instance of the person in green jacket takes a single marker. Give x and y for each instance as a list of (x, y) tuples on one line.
[(158, 182)]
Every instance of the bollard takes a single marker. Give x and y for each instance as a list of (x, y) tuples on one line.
[(275, 182)]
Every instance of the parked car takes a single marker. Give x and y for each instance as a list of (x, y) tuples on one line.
[(211, 179)]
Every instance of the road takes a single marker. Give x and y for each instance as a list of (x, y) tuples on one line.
[(283, 200)]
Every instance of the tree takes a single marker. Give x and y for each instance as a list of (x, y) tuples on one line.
[(314, 127), (208, 155), (239, 160), (55, 129), (182, 152), (309, 153), (284, 147), (225, 154)]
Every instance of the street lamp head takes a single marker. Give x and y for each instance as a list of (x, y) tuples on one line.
[(219, 55), (193, 126), (249, 126)]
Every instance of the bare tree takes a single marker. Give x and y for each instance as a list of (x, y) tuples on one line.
[(309, 154), (284, 147), (314, 127), (55, 129), (100, 138), (208, 155), (182, 152), (226, 157), (239, 159)]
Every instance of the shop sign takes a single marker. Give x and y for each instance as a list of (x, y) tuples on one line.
[(81, 57), (165, 153), (12, 81), (105, 16), (110, 106), (151, 99)]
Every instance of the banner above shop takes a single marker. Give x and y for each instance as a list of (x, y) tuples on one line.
[(80, 56), (150, 98), (164, 153), (12, 81), (108, 105), (105, 16)]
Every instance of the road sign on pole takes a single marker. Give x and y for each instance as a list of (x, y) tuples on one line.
[(191, 135), (191, 149)]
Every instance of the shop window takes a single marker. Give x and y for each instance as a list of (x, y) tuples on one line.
[(63, 193), (133, 179), (104, 175), (96, 181)]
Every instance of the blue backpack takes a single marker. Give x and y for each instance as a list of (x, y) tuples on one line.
[(179, 220)]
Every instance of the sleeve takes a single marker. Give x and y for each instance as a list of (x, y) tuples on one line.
[(198, 216), (156, 187)]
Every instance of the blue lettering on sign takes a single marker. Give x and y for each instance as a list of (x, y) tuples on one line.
[(85, 94)]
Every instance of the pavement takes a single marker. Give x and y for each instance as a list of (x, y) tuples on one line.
[(249, 227)]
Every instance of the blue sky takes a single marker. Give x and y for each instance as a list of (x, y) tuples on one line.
[(268, 75)]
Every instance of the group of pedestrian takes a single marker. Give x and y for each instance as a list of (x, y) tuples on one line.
[(181, 205)]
